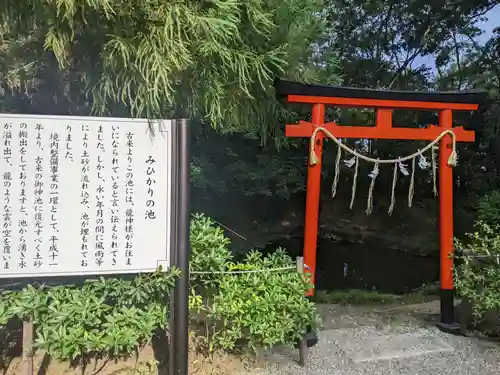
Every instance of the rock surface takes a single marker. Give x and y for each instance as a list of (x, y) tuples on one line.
[(258, 222)]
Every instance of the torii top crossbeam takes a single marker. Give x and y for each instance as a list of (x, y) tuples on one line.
[(384, 102)]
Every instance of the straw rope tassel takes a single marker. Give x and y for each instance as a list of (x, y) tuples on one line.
[(434, 167), (337, 172), (369, 203), (354, 183), (313, 159), (411, 189), (393, 193)]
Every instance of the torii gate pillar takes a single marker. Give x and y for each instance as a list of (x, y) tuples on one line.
[(384, 102)]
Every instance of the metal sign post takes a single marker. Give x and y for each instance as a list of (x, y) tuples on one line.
[(181, 249)]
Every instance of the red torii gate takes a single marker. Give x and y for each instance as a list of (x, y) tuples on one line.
[(384, 102)]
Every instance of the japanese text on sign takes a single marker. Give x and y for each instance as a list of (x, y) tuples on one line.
[(83, 195)]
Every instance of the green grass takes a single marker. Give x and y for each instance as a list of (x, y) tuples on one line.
[(354, 297), (366, 297)]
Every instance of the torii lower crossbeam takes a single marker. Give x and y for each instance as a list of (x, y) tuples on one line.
[(445, 103)]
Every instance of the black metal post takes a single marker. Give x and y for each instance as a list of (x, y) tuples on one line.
[(303, 340), (447, 321), (180, 319), (172, 214), (447, 306)]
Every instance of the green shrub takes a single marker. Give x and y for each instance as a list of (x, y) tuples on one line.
[(477, 276), (115, 316), (104, 317), (209, 252), (259, 309)]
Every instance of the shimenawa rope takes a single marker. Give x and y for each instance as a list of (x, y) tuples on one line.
[(398, 164)]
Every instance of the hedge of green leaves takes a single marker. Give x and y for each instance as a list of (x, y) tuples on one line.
[(116, 316), (477, 276), (105, 316)]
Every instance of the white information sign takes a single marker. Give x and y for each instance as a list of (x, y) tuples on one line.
[(84, 195)]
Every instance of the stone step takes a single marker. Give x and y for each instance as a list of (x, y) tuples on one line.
[(365, 344)]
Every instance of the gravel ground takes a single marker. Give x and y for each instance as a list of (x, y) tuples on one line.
[(358, 341)]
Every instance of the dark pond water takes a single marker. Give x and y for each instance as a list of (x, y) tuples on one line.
[(352, 266), (346, 266)]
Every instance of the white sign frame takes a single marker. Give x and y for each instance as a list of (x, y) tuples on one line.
[(150, 257)]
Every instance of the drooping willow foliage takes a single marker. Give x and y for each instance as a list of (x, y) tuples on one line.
[(214, 60)]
